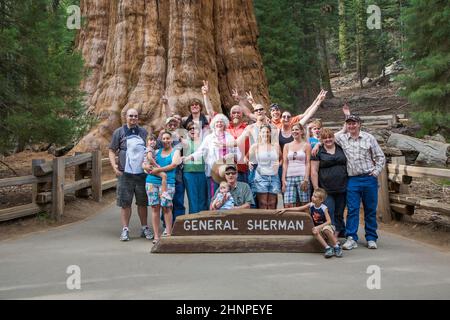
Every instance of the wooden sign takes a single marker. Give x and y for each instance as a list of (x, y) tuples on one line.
[(240, 230), (243, 222)]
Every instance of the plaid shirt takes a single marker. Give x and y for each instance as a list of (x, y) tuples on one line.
[(364, 154)]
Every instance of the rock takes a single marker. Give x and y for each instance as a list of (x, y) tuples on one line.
[(366, 80), (429, 153), (436, 137), (59, 151), (381, 135), (393, 68), (40, 147), (392, 152)]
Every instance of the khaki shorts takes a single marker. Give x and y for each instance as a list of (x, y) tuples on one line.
[(330, 228)]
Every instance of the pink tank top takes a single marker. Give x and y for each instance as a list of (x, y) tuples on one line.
[(296, 163)]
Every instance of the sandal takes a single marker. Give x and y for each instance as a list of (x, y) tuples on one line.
[(155, 241)]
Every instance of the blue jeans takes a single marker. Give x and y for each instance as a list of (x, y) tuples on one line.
[(336, 205), (363, 188), (251, 178), (211, 184), (196, 190), (243, 177), (178, 200)]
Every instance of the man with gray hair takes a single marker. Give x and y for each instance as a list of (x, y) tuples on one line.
[(129, 143), (236, 128)]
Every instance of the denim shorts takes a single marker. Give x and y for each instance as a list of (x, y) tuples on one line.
[(154, 195), (266, 184), (129, 185)]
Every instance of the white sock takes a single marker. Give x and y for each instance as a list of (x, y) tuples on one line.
[(125, 228)]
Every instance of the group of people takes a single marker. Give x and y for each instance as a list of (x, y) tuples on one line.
[(228, 163)]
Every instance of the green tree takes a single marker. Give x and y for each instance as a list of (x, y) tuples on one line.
[(343, 42), (292, 32), (427, 54), (40, 99)]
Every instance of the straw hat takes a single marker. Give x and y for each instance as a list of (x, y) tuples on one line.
[(218, 169)]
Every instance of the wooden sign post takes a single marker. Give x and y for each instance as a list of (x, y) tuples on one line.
[(241, 230)]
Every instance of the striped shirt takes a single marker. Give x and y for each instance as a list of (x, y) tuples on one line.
[(364, 154)]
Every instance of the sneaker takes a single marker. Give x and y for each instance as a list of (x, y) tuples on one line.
[(147, 233), (329, 252), (166, 196), (338, 251), (371, 244), (124, 235), (164, 234), (350, 244)]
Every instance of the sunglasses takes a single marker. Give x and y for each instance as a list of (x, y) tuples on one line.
[(258, 110), (285, 116), (132, 116), (230, 173)]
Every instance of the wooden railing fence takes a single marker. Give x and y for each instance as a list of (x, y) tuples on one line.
[(49, 185)]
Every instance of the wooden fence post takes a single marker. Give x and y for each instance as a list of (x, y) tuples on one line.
[(384, 207), (36, 187), (58, 188), (96, 177)]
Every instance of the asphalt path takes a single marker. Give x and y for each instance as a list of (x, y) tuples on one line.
[(37, 266)]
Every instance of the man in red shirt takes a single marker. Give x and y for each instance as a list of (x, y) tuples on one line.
[(236, 127)]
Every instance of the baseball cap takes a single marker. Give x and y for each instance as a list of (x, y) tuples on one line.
[(170, 119), (353, 117), (230, 167), (274, 106)]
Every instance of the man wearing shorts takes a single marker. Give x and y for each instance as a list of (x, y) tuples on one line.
[(128, 143)]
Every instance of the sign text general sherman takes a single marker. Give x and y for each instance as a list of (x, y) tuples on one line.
[(243, 224)]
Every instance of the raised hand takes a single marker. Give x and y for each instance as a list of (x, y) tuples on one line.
[(346, 109), (322, 95), (250, 97), (235, 95), (205, 88)]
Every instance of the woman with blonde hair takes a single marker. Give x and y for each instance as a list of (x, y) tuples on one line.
[(296, 169), (266, 154)]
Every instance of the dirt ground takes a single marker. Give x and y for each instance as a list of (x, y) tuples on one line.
[(76, 210)]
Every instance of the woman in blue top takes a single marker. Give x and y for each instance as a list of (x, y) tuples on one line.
[(168, 159)]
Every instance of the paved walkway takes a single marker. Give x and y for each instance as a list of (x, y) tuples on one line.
[(34, 267)]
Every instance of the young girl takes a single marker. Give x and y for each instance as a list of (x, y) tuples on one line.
[(314, 129), (323, 230), (224, 191), (151, 160)]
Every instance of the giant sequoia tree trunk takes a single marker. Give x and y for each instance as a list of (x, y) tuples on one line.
[(136, 51)]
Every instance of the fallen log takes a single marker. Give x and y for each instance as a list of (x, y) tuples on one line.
[(430, 153)]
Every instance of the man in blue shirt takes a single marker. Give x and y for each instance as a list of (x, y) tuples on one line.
[(128, 142)]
